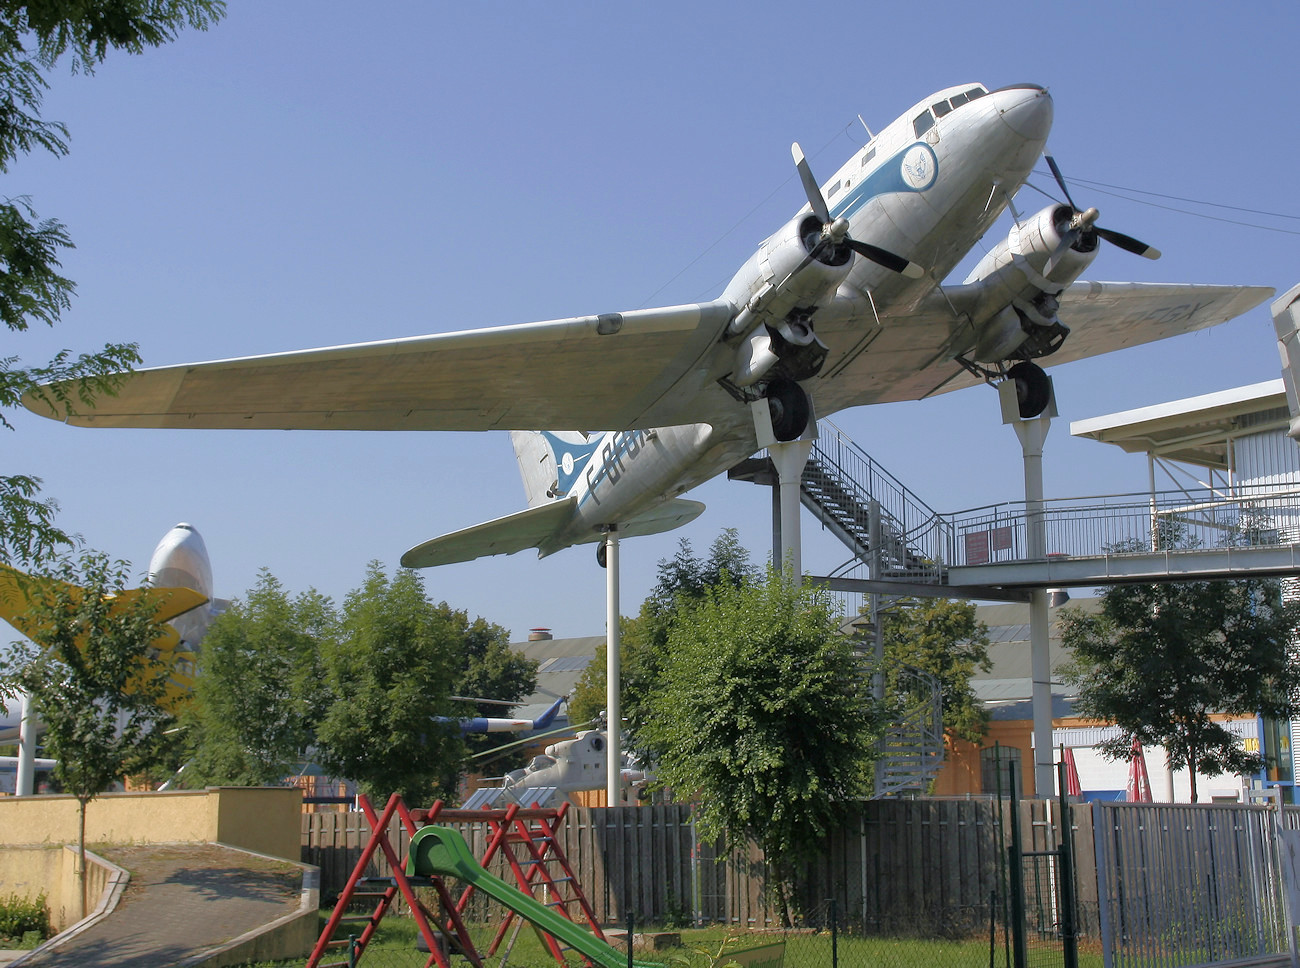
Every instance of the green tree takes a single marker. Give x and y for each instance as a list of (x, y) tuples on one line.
[(93, 679), (942, 638), (1161, 660), (488, 669), (259, 694), (760, 717), (33, 37), (682, 581), (389, 673)]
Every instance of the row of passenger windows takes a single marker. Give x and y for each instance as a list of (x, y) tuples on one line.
[(925, 120)]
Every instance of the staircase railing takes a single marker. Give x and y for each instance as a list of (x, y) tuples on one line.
[(856, 498)]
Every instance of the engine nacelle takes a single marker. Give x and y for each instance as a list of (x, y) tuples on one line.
[(1015, 316), (781, 281)]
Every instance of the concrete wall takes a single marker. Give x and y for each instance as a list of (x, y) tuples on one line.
[(262, 819), (31, 871)]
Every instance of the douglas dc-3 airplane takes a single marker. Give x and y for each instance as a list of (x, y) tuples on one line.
[(842, 306)]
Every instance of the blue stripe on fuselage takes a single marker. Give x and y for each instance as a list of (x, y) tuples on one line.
[(885, 180)]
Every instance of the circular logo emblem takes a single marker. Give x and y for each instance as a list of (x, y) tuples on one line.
[(919, 167), (567, 463)]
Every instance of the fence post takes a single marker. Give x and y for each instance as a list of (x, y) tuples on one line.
[(1069, 935), (1101, 834), (1016, 863), (835, 937), (993, 925)]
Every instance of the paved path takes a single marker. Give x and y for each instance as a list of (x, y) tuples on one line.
[(181, 900)]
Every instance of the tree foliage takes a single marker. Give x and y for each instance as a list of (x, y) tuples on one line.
[(1161, 660), (760, 717), (287, 680), (943, 639), (487, 668), (683, 580), (33, 37), (258, 696), (389, 674), (93, 678)]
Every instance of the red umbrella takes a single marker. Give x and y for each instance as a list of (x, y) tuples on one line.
[(1072, 787), (1139, 784)]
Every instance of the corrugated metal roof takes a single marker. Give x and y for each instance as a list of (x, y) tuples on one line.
[(561, 663)]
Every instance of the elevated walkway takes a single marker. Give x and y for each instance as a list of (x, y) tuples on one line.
[(900, 546)]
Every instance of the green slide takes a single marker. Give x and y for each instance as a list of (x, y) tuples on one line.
[(440, 850)]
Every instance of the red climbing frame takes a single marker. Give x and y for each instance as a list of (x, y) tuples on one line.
[(356, 888)]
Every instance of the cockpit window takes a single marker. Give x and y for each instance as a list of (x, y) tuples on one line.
[(941, 108), (975, 92), (959, 99), (923, 122)]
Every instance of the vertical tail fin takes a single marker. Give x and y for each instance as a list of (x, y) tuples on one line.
[(550, 462)]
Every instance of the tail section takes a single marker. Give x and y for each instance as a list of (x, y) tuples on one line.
[(550, 462)]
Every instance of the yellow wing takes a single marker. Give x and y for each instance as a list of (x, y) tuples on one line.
[(19, 592)]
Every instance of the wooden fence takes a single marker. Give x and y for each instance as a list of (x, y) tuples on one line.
[(929, 866)]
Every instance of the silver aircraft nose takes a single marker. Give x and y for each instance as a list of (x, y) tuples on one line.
[(1026, 109)]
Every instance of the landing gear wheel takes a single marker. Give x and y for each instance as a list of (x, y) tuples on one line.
[(1033, 389), (788, 406), (600, 554)]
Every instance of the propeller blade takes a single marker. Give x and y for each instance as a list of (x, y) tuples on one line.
[(810, 186), (886, 258), (1128, 243), (1060, 180)]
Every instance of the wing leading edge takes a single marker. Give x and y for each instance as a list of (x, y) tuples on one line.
[(582, 372)]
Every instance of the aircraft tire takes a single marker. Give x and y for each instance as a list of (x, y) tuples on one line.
[(1033, 389), (600, 555), (788, 406)]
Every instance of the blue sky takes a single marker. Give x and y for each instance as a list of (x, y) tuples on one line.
[(309, 174)]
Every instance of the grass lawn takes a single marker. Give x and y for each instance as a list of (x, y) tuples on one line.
[(394, 947)]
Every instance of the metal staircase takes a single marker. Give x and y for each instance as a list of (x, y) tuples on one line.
[(885, 525), (911, 751)]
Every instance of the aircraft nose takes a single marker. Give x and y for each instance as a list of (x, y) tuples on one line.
[(1026, 109)]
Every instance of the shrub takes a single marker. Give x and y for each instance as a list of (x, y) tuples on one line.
[(21, 916)]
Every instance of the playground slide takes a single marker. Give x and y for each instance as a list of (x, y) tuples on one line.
[(443, 851)]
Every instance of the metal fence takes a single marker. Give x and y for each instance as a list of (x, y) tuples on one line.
[(1189, 885), (1262, 516)]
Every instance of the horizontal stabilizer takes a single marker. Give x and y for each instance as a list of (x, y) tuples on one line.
[(500, 536), (664, 517)]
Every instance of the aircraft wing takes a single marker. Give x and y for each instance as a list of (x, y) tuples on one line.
[(1106, 316), (19, 593), (588, 372), (910, 356)]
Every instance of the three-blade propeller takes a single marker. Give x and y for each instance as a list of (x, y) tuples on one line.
[(1083, 222), (835, 232)]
